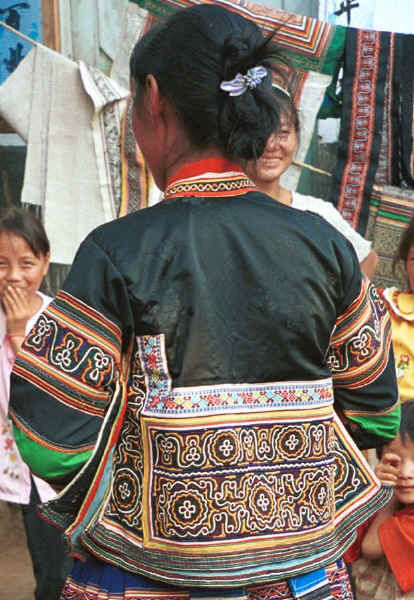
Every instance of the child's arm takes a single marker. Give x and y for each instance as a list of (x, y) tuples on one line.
[(18, 313), (386, 472)]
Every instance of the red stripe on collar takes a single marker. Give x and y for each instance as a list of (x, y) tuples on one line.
[(212, 177), (207, 165)]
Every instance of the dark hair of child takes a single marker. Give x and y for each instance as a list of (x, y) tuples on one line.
[(407, 420), (25, 224), (406, 425)]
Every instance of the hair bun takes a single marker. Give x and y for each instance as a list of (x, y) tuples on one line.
[(237, 55)]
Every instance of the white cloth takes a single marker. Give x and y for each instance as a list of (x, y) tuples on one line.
[(329, 213), (70, 116), (310, 100), (15, 482)]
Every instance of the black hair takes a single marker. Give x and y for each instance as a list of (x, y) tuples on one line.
[(406, 429), (287, 107), (25, 224), (190, 54), (407, 420)]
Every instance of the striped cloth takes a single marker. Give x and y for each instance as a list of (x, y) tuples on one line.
[(390, 211), (95, 580), (311, 45)]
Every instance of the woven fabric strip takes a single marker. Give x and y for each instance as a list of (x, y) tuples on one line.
[(93, 580), (365, 75), (391, 209)]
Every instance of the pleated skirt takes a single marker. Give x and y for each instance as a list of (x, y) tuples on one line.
[(96, 580)]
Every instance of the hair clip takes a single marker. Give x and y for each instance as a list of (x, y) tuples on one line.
[(281, 89), (238, 85)]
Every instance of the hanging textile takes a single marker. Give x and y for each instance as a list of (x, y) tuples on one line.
[(138, 186), (376, 137), (70, 115), (390, 211), (396, 155), (310, 44), (365, 71)]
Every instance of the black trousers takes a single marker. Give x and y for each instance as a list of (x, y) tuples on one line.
[(51, 562)]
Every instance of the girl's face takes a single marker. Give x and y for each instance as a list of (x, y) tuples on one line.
[(277, 157), (404, 489), (19, 266), (409, 266)]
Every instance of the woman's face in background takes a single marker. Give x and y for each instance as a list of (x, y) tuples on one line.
[(277, 157)]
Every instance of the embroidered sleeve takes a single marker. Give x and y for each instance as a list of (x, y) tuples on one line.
[(65, 374), (363, 371)]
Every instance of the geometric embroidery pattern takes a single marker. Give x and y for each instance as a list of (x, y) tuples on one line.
[(240, 482), (226, 185), (222, 477), (126, 498), (360, 344), (162, 400), (73, 353)]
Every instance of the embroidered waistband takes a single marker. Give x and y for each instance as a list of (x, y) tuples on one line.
[(163, 399)]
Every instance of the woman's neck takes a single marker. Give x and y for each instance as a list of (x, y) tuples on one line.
[(187, 157), (276, 191)]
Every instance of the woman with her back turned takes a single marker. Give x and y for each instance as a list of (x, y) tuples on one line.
[(197, 438)]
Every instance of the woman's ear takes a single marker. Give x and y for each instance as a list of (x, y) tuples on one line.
[(152, 97)]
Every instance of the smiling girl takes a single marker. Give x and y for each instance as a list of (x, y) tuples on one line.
[(277, 157), (24, 261)]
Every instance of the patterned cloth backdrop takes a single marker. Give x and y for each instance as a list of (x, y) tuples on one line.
[(390, 211), (376, 141), (311, 45)]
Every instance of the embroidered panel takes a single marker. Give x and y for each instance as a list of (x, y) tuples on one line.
[(228, 185), (361, 341), (197, 493), (125, 503), (72, 353), (362, 152), (218, 485)]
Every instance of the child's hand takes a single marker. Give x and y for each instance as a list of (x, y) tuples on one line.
[(388, 467), (18, 310)]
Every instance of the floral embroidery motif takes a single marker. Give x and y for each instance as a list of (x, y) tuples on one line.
[(236, 476), (362, 337), (403, 365), (218, 492), (126, 497), (72, 338), (11, 457)]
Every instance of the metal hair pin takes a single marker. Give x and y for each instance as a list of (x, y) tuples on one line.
[(241, 83), (282, 89)]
